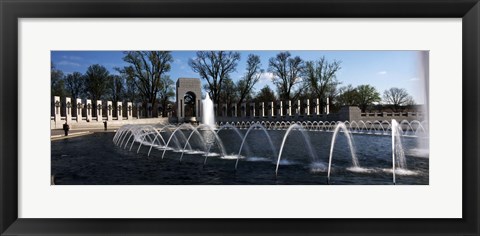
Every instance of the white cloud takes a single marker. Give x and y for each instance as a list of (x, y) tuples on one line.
[(177, 61), (382, 72), (110, 64), (74, 58), (266, 76), (68, 63), (414, 79)]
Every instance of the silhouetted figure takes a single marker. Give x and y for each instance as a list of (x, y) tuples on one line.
[(66, 128), (105, 125)]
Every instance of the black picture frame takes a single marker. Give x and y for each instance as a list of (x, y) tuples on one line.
[(11, 11)]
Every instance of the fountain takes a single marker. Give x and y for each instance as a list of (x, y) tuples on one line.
[(307, 141), (246, 135), (367, 144), (343, 127), (208, 117)]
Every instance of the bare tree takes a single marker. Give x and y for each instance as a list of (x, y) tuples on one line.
[(229, 92), (251, 77), (116, 90), (57, 81), (321, 78), (147, 68), (165, 93), (287, 72), (75, 84), (131, 89), (214, 67), (397, 97)]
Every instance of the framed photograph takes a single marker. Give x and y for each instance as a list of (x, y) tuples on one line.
[(229, 117)]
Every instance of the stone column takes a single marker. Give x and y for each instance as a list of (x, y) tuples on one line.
[(281, 109), (234, 113), (149, 110), (224, 110), (289, 107), (180, 109), (89, 110), (68, 112), (129, 110), (272, 109), (79, 109), (328, 107), (58, 106), (198, 111), (307, 107), (99, 110), (317, 110), (159, 110), (244, 109), (139, 110), (252, 109), (299, 107), (109, 111), (262, 106), (119, 111)]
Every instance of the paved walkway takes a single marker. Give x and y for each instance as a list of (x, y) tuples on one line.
[(58, 134)]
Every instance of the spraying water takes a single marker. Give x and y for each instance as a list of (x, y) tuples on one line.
[(246, 135), (398, 155), (305, 137), (342, 126), (208, 117)]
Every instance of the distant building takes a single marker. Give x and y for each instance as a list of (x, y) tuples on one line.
[(189, 99)]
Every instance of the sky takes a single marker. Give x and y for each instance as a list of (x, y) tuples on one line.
[(381, 69)]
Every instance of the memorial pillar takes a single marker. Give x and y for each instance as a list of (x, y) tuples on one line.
[(234, 113), (160, 110), (224, 110), (129, 110), (278, 106), (58, 105), (109, 111), (252, 109), (262, 106), (119, 111), (149, 110), (307, 107), (89, 110), (328, 106), (99, 110), (272, 109), (281, 109), (289, 107), (139, 110), (79, 109), (299, 107), (244, 109), (68, 111)]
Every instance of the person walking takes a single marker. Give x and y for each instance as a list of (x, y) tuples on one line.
[(105, 125), (66, 128)]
